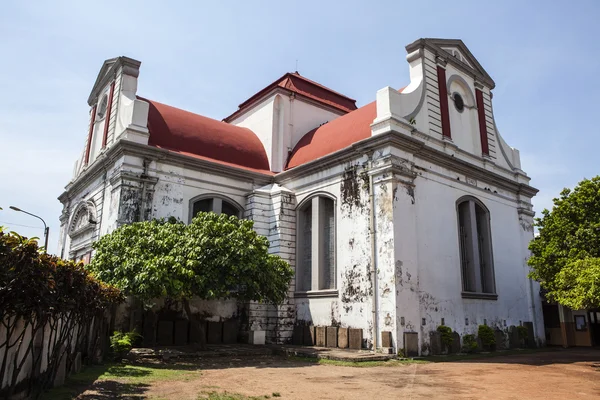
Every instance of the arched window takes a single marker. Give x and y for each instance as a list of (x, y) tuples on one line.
[(218, 205), (477, 264), (316, 245)]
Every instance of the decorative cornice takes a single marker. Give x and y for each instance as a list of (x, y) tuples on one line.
[(124, 147)]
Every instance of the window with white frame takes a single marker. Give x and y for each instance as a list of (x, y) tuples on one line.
[(316, 245), (218, 205), (477, 266)]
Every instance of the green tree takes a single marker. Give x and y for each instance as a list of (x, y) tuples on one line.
[(566, 253), (214, 257)]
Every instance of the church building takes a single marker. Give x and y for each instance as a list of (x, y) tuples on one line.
[(398, 216)]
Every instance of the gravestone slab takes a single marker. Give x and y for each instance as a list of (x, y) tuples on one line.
[(500, 339), (411, 344), (355, 338), (455, 346), (321, 336), (530, 341), (165, 333), (257, 337), (435, 343), (149, 329), (332, 336), (343, 338), (230, 331), (61, 370), (386, 339), (197, 331), (215, 332), (76, 367), (298, 335), (308, 336), (513, 337), (181, 332)]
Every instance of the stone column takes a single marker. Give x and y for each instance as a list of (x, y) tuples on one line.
[(273, 210)]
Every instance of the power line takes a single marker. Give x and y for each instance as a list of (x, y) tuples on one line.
[(22, 226)]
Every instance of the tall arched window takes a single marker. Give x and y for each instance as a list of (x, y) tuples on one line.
[(316, 245), (477, 264), (218, 205)]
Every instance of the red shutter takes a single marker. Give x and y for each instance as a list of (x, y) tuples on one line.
[(108, 110), (482, 125), (90, 133), (441, 75)]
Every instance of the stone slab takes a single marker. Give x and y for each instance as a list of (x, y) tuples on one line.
[(230, 331), (530, 341), (215, 332), (149, 329), (355, 338), (61, 370), (298, 335), (308, 336), (513, 337), (257, 337), (321, 336), (411, 344), (343, 338), (386, 339), (181, 332), (197, 331), (164, 336), (332, 336), (455, 346), (435, 343), (77, 365), (500, 337)]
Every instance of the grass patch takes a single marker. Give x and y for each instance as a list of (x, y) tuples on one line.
[(230, 396), (359, 364), (120, 378)]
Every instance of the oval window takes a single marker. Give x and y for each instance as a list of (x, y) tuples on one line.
[(458, 102)]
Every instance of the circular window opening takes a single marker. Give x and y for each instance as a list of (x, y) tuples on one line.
[(458, 102), (102, 108)]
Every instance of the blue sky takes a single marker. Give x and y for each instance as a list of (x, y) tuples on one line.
[(208, 57)]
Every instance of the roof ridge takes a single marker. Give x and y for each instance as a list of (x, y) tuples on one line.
[(297, 74)]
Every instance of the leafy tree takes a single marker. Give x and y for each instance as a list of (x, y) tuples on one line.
[(214, 257), (54, 300), (566, 253)]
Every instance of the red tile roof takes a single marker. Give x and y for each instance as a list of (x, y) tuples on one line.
[(333, 136), (336, 135), (296, 83), (202, 137)]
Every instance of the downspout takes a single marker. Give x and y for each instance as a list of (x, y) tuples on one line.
[(373, 259)]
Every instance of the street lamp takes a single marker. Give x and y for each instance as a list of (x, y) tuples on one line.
[(46, 229)]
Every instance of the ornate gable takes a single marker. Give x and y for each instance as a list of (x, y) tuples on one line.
[(83, 220), (455, 52)]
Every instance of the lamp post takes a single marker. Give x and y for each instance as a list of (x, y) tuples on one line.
[(46, 229)]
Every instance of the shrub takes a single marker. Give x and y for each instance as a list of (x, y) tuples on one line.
[(447, 337), (122, 342), (470, 343), (487, 337)]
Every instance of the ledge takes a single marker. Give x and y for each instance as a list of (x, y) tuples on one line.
[(480, 296), (317, 293)]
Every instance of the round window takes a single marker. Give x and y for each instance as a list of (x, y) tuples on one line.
[(458, 102), (102, 108)]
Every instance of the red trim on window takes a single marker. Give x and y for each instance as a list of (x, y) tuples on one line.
[(482, 125), (90, 133), (441, 75), (108, 110)]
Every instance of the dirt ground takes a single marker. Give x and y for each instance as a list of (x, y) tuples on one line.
[(562, 374)]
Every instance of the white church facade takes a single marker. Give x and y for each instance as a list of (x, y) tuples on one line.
[(398, 216)]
